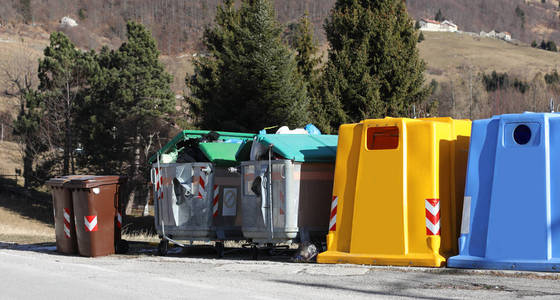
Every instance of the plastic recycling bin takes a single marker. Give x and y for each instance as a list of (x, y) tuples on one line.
[(63, 210), (98, 214), (511, 208), (397, 192)]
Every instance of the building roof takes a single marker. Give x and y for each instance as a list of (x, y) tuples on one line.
[(431, 21), (449, 23)]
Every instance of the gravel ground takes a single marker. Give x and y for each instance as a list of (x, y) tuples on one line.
[(30, 271)]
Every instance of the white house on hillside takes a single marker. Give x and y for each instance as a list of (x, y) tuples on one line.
[(431, 25), (506, 36), (69, 22)]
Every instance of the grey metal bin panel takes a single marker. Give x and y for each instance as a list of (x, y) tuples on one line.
[(227, 220), (183, 213), (315, 195), (301, 194)]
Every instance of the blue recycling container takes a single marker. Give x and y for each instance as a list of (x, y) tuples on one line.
[(511, 210)]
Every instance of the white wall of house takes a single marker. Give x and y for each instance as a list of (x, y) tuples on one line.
[(444, 26)]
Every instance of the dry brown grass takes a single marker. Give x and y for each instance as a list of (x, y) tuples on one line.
[(178, 66), (19, 229), (10, 159), (447, 53)]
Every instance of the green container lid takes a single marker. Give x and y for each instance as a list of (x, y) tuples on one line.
[(221, 154), (190, 134), (302, 147)]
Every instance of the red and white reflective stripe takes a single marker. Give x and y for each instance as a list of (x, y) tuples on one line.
[(159, 184), (157, 180), (334, 206), (215, 200), (119, 220), (432, 217), (201, 184), (90, 223), (67, 222)]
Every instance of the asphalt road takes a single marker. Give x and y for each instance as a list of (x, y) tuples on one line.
[(38, 272)]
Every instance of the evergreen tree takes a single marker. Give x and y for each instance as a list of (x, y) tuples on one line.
[(102, 134), (374, 68), (129, 93), (27, 126), (439, 16), (306, 58), (308, 62), (250, 80), (421, 37), (62, 75)]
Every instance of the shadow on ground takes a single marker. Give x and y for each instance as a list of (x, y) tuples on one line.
[(397, 290), (37, 205), (28, 203)]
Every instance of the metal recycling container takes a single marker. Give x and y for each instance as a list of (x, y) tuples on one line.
[(511, 205), (63, 210), (287, 198), (199, 200), (183, 204), (97, 213), (397, 192)]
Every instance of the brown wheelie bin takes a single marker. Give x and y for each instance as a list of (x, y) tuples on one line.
[(98, 214), (63, 210)]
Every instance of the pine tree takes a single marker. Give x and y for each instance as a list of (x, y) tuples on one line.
[(439, 16), (308, 62), (374, 68), (421, 37), (130, 92), (306, 57), (102, 134), (62, 75), (27, 126), (250, 80)]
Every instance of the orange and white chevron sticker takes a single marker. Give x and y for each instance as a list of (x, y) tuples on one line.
[(67, 223), (215, 200), (334, 207), (432, 217), (90, 223)]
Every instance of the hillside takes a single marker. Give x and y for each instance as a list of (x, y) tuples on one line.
[(457, 62), (526, 20), (446, 54), (179, 24)]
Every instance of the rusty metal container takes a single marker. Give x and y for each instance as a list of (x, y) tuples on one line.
[(98, 214), (63, 210)]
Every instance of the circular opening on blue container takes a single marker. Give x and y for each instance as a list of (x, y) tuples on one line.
[(522, 134)]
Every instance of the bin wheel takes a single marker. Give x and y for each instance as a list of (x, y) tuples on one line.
[(270, 250), (255, 252), (220, 249), (122, 247), (163, 247)]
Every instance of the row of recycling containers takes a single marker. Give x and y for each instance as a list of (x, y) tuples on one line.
[(266, 188), (394, 191)]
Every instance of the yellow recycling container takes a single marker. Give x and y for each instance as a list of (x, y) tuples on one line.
[(398, 192)]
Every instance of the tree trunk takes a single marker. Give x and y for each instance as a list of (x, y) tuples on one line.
[(68, 132), (135, 172), (27, 165)]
